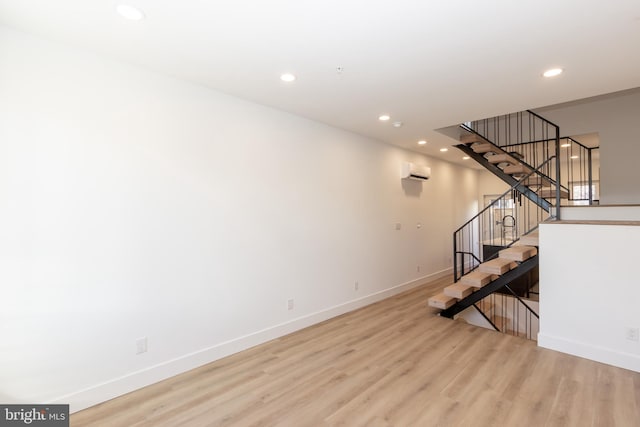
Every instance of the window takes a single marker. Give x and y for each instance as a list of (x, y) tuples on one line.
[(580, 192), (503, 204)]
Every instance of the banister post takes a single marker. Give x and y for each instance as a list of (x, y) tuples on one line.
[(455, 258), (590, 177), (558, 183)]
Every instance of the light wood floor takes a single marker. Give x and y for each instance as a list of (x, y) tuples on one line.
[(394, 363)]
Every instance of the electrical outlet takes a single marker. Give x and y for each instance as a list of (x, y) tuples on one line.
[(290, 304), (398, 226), (633, 334), (141, 345), (418, 269), (356, 286)]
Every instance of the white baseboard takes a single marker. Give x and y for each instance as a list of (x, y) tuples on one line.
[(99, 393), (592, 352)]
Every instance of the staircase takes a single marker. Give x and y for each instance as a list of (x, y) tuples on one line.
[(496, 252), (511, 168), (489, 277)]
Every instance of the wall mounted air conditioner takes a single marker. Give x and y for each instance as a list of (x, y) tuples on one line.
[(413, 171)]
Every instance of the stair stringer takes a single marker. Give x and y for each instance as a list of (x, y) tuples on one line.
[(511, 181), (490, 288)]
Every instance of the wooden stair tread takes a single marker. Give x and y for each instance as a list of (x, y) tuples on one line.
[(518, 253), (458, 290), (536, 181), (548, 192), (516, 169), (497, 266), (530, 239), (484, 147), (503, 158), (478, 279), (442, 301), (471, 138)]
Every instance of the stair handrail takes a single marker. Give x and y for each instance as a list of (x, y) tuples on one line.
[(543, 119)]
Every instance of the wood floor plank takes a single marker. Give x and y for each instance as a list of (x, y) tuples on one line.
[(488, 410), (563, 411), (393, 363)]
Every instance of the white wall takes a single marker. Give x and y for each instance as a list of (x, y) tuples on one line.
[(601, 213), (489, 184), (615, 118), (589, 291), (137, 205)]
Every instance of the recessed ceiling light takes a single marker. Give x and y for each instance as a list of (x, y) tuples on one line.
[(384, 117), (287, 77), (397, 124), (129, 12), (444, 149), (422, 142), (466, 158), (553, 72), (575, 157), (568, 144)]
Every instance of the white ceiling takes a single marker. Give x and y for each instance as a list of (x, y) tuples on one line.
[(429, 64)]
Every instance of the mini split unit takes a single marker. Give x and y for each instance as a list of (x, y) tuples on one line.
[(417, 172)]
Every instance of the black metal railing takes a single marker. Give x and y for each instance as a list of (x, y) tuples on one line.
[(515, 128), (499, 225), (527, 136), (578, 163), (581, 177), (533, 139), (507, 312), (557, 171)]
